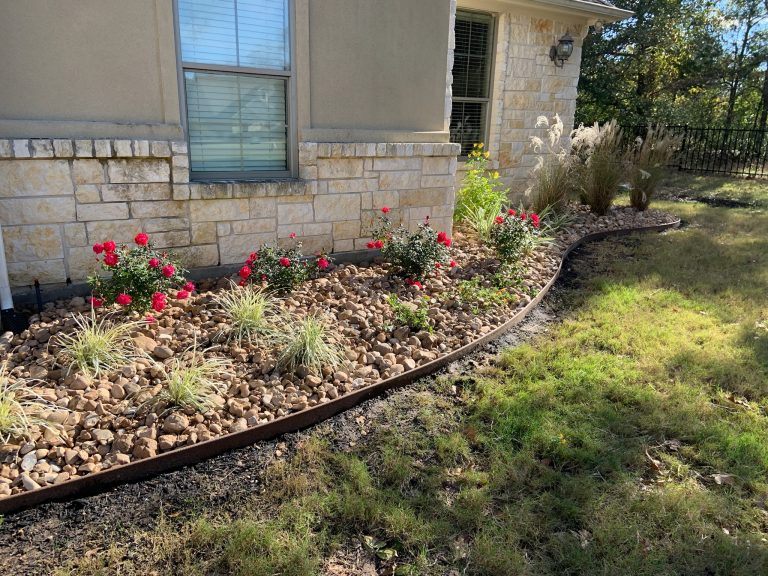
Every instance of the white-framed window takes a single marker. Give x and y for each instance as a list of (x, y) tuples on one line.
[(237, 76), (471, 88)]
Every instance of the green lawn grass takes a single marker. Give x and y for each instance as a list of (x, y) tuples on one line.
[(630, 439), (718, 188)]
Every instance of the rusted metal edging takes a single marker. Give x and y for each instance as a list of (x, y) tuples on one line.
[(180, 457)]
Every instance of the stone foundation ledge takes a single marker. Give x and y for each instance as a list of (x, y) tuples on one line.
[(89, 148)]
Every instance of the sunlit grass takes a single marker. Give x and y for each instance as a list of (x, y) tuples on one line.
[(308, 341), (21, 409), (250, 311)]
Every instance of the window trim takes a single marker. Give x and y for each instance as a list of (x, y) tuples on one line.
[(491, 77), (292, 149)]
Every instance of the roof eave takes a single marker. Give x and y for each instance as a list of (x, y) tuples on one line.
[(591, 10)]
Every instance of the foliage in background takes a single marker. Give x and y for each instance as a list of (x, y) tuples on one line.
[(97, 346), (412, 254), (309, 342), (648, 159), (139, 276), (514, 235), (551, 179), (412, 315), (481, 191), (697, 62), (600, 151), (281, 268)]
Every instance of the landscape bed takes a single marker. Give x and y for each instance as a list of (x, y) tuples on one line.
[(111, 431)]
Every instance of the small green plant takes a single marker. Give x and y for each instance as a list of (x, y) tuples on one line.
[(140, 276), (193, 380), (649, 158), (551, 179), (413, 254), (281, 268), (21, 409), (249, 310), (97, 346), (309, 342), (481, 188), (412, 315), (481, 220), (602, 169), (553, 221), (514, 235), (479, 298)]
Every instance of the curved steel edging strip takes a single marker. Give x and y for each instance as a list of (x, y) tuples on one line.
[(195, 453)]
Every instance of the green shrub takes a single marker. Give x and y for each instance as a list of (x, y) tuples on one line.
[(281, 268), (514, 235), (412, 254), (648, 158), (480, 189), (551, 180), (140, 276), (602, 167), (479, 298), (414, 316)]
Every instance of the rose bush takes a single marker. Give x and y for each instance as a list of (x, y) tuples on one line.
[(413, 254), (514, 235), (140, 276), (281, 268)]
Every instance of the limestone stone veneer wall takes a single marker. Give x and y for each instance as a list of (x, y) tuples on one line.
[(59, 196)]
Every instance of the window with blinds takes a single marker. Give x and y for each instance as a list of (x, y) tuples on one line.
[(237, 68), (471, 78)]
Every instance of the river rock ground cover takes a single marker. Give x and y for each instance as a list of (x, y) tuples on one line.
[(112, 419)]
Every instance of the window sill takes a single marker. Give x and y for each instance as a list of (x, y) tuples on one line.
[(251, 187)]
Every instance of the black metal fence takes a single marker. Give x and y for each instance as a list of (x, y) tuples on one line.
[(724, 151)]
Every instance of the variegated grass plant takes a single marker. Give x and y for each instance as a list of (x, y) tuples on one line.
[(21, 408), (251, 312), (309, 342)]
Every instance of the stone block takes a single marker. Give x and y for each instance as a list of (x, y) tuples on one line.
[(21, 149), (181, 192), (160, 149), (397, 163), (223, 229), (180, 175), (42, 148), (437, 181), (102, 148), (343, 245), (426, 197), (219, 210), (313, 244), (134, 192), (102, 211), (87, 194), (438, 165), (117, 230), (308, 172), (346, 230), (63, 148), (333, 208), (141, 148), (75, 235), (388, 198), (180, 161), (352, 185), (36, 210), (171, 239), (179, 147), (319, 229), (204, 233), (158, 209), (19, 178), (254, 226), (6, 149), (235, 249), (123, 149), (45, 271), (155, 225), (197, 256), (84, 148), (307, 153), (87, 171), (30, 243), (295, 213), (340, 167), (400, 180), (289, 230), (127, 171), (81, 262), (263, 207)]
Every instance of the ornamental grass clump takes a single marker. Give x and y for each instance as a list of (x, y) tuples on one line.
[(21, 409), (599, 149), (193, 381), (514, 235), (282, 268), (649, 158), (481, 190), (140, 277), (309, 342), (551, 180), (250, 311), (97, 346), (412, 254)]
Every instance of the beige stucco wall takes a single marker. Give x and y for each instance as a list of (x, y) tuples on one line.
[(378, 65), (85, 68)]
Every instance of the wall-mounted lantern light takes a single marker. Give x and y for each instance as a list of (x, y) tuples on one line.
[(562, 51)]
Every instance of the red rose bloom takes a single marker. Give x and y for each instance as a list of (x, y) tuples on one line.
[(189, 287), (378, 244), (523, 216), (109, 246), (447, 242), (149, 319), (453, 264), (244, 272), (438, 265), (241, 283), (371, 245), (385, 209), (292, 235), (141, 239), (284, 262), (97, 302), (322, 263), (499, 219), (511, 212), (110, 259), (168, 270), (535, 219), (98, 248), (158, 305), (154, 263), (123, 299), (182, 295), (441, 236)]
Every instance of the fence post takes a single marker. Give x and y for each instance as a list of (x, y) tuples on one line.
[(681, 156)]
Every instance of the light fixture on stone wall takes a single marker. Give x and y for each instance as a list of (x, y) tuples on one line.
[(562, 51)]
